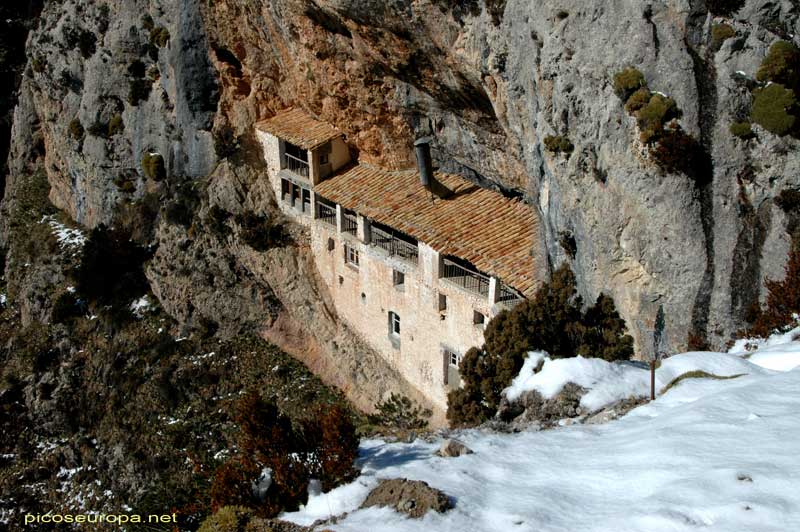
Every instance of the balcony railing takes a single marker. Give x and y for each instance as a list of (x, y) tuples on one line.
[(467, 279), (395, 246), (295, 164), (326, 213), (506, 294), (349, 223)]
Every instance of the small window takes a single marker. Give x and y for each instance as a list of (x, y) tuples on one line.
[(296, 192), (394, 324), (442, 302), (398, 278), (478, 318), (350, 255), (286, 193), (452, 359), (331, 244), (323, 158)]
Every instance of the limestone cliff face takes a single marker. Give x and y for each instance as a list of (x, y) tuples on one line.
[(489, 80)]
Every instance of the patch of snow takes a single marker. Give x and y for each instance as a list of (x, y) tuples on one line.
[(675, 464), (69, 239), (139, 307), (608, 382), (3, 299)]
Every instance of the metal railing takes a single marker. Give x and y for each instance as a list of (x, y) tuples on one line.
[(349, 223), (396, 247), (467, 279), (507, 294), (295, 164), (326, 213)]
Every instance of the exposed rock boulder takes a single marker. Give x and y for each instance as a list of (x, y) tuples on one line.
[(451, 448), (615, 410), (532, 407), (411, 497)]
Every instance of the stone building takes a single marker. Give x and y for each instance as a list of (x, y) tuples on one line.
[(416, 261)]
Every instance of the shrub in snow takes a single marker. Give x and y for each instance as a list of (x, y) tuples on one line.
[(552, 321), (399, 412)]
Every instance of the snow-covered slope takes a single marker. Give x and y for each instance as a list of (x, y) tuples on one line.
[(709, 454)]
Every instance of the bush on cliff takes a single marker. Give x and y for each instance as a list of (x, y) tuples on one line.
[(111, 270), (628, 81), (774, 109), (322, 446), (783, 298), (552, 321)]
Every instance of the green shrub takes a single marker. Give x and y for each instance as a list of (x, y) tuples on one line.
[(781, 65), (227, 519), (724, 7), (260, 233), (720, 33), (139, 90), (742, 130), (153, 166), (628, 81), (125, 183), (558, 144), (637, 100), (115, 125), (552, 321), (399, 412), (773, 109), (159, 36), (652, 117), (789, 201), (76, 130)]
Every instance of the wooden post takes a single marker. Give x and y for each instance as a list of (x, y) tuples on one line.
[(653, 379)]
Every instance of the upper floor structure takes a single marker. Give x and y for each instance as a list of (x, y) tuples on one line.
[(416, 261)]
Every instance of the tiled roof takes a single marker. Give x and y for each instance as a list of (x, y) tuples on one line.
[(498, 235), (300, 128)]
